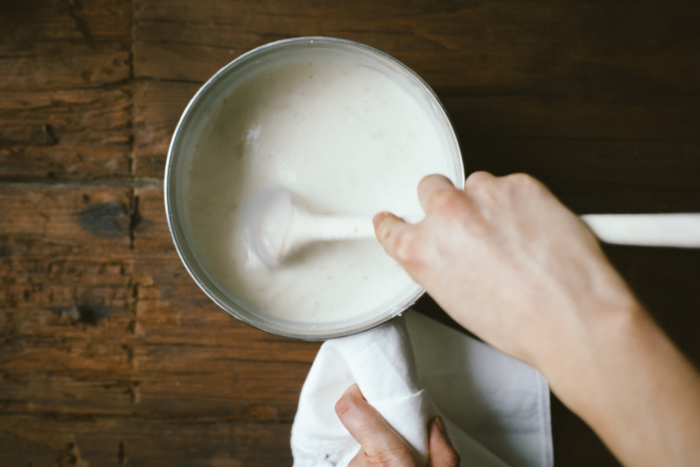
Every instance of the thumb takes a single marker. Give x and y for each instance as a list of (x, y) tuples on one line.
[(388, 228), (381, 445), (442, 454)]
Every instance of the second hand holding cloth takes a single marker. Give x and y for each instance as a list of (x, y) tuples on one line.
[(496, 408)]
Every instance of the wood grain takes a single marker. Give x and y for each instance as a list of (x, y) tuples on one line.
[(109, 352), (157, 109), (65, 134), (63, 111), (101, 318), (107, 442)]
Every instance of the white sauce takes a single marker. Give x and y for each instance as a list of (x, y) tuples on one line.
[(346, 140)]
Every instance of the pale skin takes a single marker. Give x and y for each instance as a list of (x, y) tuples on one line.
[(382, 446), (506, 260)]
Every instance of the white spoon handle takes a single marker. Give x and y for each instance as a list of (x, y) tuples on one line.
[(342, 228), (674, 230), (661, 230), (308, 228)]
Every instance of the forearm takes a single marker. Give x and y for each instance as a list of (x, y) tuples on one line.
[(634, 388), (604, 357), (510, 263)]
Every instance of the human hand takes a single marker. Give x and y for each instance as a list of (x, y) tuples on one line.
[(381, 445), (509, 262)]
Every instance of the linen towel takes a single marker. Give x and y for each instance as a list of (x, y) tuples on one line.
[(496, 408)]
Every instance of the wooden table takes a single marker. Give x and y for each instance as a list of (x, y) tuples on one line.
[(110, 354)]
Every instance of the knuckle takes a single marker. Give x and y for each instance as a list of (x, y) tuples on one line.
[(406, 246), (484, 189), (488, 193), (523, 181), (384, 232), (446, 201), (504, 190), (399, 456)]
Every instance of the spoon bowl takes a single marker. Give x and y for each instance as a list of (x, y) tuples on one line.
[(281, 225)]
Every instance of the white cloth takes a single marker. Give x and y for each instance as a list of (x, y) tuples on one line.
[(496, 408)]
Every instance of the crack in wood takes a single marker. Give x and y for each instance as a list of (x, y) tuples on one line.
[(134, 392), (70, 457), (129, 354), (133, 40), (50, 135), (134, 217), (121, 455), (143, 182), (132, 326), (132, 110), (81, 24), (168, 80)]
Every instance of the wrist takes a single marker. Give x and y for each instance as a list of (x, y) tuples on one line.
[(609, 334), (635, 389)]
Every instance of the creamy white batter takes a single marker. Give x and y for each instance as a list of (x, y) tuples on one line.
[(344, 138)]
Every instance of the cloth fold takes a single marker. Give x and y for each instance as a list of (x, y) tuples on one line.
[(393, 364)]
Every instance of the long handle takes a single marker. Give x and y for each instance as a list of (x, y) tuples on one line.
[(669, 230), (674, 230)]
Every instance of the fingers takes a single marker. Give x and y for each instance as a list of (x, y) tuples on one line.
[(442, 454), (431, 184), (387, 228), (380, 443), (476, 178)]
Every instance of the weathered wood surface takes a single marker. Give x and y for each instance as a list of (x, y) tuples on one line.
[(110, 354), (65, 104)]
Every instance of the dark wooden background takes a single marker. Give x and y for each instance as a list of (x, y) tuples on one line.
[(109, 353)]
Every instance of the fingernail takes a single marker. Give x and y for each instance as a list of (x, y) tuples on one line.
[(376, 220), (441, 425)]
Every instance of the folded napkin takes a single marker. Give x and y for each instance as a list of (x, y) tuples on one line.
[(496, 408)]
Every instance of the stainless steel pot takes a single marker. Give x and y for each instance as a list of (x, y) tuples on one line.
[(186, 136)]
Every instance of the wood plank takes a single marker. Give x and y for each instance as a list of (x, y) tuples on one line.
[(40, 222), (442, 41), (54, 44), (158, 106), (68, 296), (53, 69), (100, 317), (599, 176), (65, 247), (65, 134), (592, 82), (32, 23), (117, 442), (528, 116), (214, 387), (180, 62), (62, 113), (111, 355), (665, 280), (209, 353), (528, 69)]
